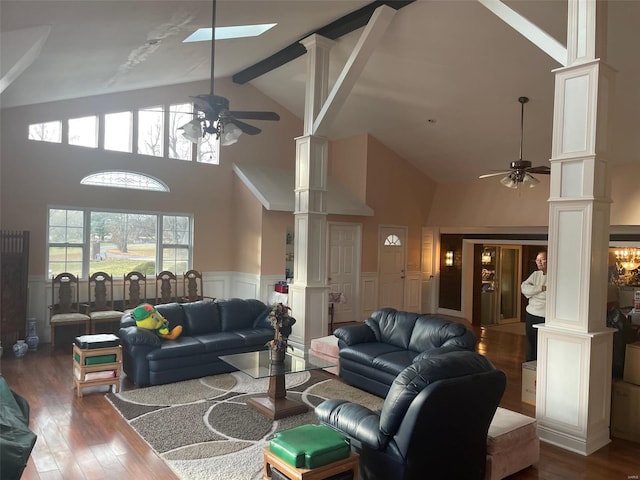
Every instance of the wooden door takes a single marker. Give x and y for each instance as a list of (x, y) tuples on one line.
[(343, 269), (391, 269)]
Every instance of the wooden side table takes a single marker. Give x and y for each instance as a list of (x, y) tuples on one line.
[(89, 363), (320, 473)]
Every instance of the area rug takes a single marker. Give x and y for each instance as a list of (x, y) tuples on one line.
[(203, 428)]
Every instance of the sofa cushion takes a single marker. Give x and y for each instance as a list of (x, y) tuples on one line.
[(172, 312), (256, 336), (183, 346), (366, 353), (201, 317), (432, 332), (237, 314), (394, 362), (393, 327), (221, 341)]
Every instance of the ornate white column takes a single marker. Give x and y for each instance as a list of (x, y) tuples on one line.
[(574, 345), (308, 296)]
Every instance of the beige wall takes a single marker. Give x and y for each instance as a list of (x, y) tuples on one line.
[(36, 175), (274, 234), (348, 164), (399, 195), (247, 229), (625, 195), (486, 203)]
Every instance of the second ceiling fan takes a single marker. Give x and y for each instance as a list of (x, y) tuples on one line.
[(520, 170), (213, 114)]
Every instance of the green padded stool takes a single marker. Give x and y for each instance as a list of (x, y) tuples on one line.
[(310, 446)]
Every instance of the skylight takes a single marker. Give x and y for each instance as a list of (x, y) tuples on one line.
[(224, 33)]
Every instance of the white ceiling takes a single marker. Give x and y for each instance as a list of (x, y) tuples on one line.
[(451, 61)]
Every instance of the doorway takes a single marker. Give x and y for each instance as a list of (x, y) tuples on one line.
[(343, 268), (500, 274), (392, 249)]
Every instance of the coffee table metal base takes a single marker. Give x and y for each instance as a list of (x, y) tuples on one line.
[(275, 404)]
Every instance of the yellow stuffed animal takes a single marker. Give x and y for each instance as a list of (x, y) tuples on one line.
[(149, 318)]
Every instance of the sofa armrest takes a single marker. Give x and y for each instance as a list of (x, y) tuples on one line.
[(354, 334), (355, 421), (139, 336)]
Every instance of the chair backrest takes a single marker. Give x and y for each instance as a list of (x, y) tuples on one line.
[(100, 292), (192, 286), (135, 290), (65, 295), (166, 287), (450, 401)]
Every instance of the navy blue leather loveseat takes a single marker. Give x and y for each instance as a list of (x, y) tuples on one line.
[(209, 329), (374, 353)]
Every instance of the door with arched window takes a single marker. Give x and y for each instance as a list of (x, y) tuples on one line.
[(391, 266)]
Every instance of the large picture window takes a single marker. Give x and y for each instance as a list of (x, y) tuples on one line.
[(83, 242)]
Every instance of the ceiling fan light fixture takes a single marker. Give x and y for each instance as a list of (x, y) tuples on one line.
[(509, 182), (192, 130), (230, 135), (530, 181)]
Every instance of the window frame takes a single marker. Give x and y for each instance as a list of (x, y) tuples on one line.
[(86, 234)]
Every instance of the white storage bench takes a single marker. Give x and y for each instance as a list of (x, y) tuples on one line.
[(327, 349), (512, 444)]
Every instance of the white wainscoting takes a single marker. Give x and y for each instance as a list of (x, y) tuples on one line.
[(368, 294), (413, 291)]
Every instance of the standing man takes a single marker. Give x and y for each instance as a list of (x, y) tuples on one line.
[(535, 289)]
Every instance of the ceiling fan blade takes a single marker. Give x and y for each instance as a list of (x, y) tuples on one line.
[(539, 170), (245, 127), (254, 115), (487, 175)]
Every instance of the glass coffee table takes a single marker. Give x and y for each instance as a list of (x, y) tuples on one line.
[(275, 403)]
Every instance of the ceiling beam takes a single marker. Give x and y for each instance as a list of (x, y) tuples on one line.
[(336, 29), (529, 30), (368, 41)]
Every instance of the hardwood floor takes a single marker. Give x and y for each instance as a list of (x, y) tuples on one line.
[(84, 438)]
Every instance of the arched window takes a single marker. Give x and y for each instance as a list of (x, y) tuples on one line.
[(393, 241), (122, 179)]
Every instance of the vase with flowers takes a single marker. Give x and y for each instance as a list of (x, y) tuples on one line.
[(281, 322)]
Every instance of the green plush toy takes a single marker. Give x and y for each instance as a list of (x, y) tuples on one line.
[(149, 318)]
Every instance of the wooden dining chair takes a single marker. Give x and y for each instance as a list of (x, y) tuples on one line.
[(166, 287), (134, 290), (101, 305), (65, 305), (192, 287)]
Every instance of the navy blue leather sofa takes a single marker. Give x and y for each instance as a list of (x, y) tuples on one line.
[(374, 353), (209, 329)]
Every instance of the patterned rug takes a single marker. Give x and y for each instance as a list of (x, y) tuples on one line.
[(204, 430)]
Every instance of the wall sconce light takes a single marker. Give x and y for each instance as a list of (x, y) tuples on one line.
[(448, 258), (486, 257)]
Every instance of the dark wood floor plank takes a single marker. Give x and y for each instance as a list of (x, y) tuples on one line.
[(85, 438)]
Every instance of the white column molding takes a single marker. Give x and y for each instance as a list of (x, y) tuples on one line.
[(308, 296), (574, 345), (317, 85)]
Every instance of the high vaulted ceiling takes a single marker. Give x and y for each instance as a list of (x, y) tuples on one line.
[(441, 88)]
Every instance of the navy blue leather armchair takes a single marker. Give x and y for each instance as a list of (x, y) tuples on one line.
[(433, 424)]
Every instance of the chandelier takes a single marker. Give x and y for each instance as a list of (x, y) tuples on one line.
[(628, 258)]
